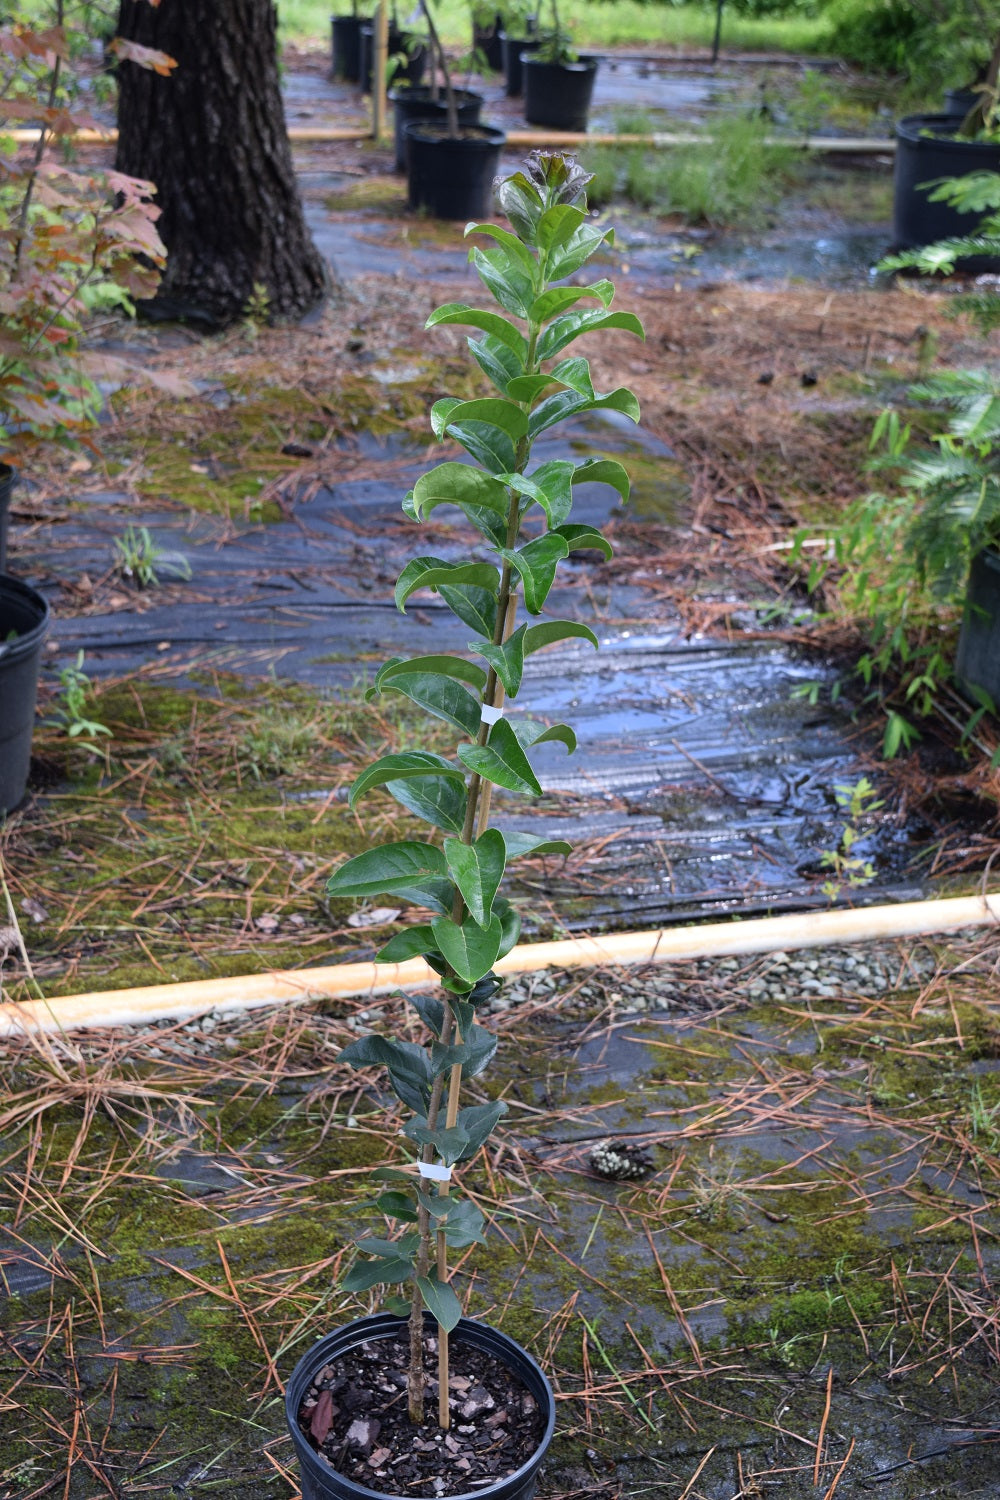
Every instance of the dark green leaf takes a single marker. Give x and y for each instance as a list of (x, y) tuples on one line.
[(437, 799), (401, 1249), (474, 606), (400, 767), (476, 1122), (440, 1301), (412, 942), (531, 732), (570, 403), (430, 1011), (441, 696), (477, 869), (554, 481), (458, 484), (578, 250), (550, 631), (464, 1224), (437, 895), (507, 660), (497, 361), (536, 562), (449, 1144), (580, 537), (470, 949), (603, 471), (511, 924), (388, 868), (396, 1205), (527, 387), (374, 1273), (432, 572), (408, 1066), (501, 761), (514, 293), (520, 844), (571, 325), (490, 322), (559, 298), (473, 1054), (517, 252)]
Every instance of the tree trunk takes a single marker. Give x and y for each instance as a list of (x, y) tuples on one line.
[(212, 137)]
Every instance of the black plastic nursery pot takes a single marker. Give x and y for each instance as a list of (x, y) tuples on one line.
[(486, 41), (346, 32), (24, 624), (321, 1482), (977, 663), (513, 47), (927, 149), (8, 479), (420, 102), (958, 102), (401, 44), (451, 177), (558, 94)]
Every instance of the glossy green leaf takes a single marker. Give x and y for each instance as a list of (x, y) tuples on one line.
[(430, 1010), (530, 732), (603, 471), (408, 1066), (572, 324), (396, 1205), (501, 760), (521, 845), (507, 660), (536, 562), (477, 869), (437, 895), (510, 922), (550, 631), (458, 484), (469, 948), (449, 1144), (559, 299), (440, 1301), (514, 292), (402, 1249), (441, 696), (569, 257), (490, 322), (490, 429), (516, 250), (439, 800), (473, 1054), (563, 404), (497, 361), (475, 607), (477, 1122), (579, 538), (432, 572), (527, 387), (554, 481), (464, 1223), (575, 375), (385, 869), (412, 942), (401, 766), (558, 225), (457, 667), (374, 1273)]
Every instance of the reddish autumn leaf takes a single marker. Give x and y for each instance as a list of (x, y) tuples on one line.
[(322, 1417), (144, 57)]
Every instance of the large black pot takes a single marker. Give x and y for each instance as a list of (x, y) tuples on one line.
[(8, 479), (486, 42), (320, 1482), (452, 177), (513, 47), (927, 149), (558, 94), (346, 32), (977, 664), (24, 618), (420, 103), (401, 44), (958, 102)]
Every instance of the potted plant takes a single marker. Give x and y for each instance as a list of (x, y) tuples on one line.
[(522, 514), (346, 45), (487, 25), (70, 248), (930, 148), (450, 165), (558, 81), (520, 35), (407, 54)]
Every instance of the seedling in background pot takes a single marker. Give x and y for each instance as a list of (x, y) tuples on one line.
[(524, 517)]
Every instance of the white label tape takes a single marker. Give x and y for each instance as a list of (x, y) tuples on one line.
[(434, 1171), (490, 715)]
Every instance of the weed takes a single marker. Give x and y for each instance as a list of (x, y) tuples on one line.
[(139, 559), (857, 802), (71, 710)]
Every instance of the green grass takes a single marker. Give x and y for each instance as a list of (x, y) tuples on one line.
[(628, 23)]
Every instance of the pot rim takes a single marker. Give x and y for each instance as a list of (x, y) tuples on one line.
[(387, 1325), (429, 131), (942, 130)]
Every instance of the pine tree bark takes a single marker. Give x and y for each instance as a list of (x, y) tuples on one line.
[(212, 137)]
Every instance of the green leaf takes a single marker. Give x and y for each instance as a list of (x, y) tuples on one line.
[(501, 761), (375, 1273), (507, 660), (526, 388), (458, 484), (400, 767), (498, 362), (603, 471), (514, 292), (490, 322), (517, 251), (470, 949), (477, 1122), (536, 562), (558, 225), (448, 666), (440, 1301), (570, 403), (475, 607), (390, 867), (489, 429), (463, 1224), (449, 1144), (401, 1249), (477, 869), (408, 1066), (396, 1205), (538, 636), (436, 895), (559, 298), (439, 800), (441, 696), (430, 1011), (554, 482), (511, 924), (569, 257), (578, 538), (522, 844), (473, 1054), (571, 325), (575, 375), (432, 572), (412, 942), (531, 732)]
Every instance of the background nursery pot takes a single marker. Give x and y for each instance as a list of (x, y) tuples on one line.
[(512, 48), (977, 664), (320, 1482), (402, 44), (452, 176), (558, 94), (24, 616), (8, 479), (928, 148), (346, 34), (421, 103)]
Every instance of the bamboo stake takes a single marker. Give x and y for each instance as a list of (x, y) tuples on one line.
[(380, 59), (137, 1007)]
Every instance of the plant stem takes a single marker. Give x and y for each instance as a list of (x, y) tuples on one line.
[(437, 50)]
